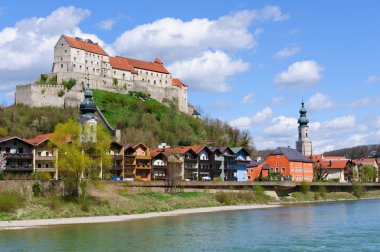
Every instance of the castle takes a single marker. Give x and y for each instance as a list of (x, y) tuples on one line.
[(91, 67)]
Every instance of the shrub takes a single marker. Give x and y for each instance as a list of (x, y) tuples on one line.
[(304, 187), (114, 81), (69, 84), (61, 93), (224, 198), (323, 192), (358, 190), (36, 189), (3, 132), (10, 201), (43, 78), (53, 80), (42, 176), (258, 189), (218, 179), (53, 202), (316, 196)]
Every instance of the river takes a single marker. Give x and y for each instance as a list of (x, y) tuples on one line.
[(337, 226)]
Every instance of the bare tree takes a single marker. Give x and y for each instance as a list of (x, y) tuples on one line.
[(320, 174)]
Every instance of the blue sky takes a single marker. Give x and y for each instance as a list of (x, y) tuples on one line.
[(249, 63)]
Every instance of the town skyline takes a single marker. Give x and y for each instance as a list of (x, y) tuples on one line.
[(248, 64)]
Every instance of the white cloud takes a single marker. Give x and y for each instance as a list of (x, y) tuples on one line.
[(365, 102), (106, 24), (287, 52), (301, 73), (248, 99), (272, 13), (247, 122), (341, 123), (355, 140), (373, 78), (319, 102), (209, 71), (282, 126), (278, 100), (27, 47)]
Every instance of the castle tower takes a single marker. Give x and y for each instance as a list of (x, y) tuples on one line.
[(303, 145), (87, 119)]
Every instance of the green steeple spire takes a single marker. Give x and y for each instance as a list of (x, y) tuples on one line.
[(303, 119), (88, 105)]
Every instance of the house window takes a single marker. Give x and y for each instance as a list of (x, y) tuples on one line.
[(65, 51), (249, 177), (278, 156), (47, 153), (276, 169), (277, 164), (39, 165), (47, 165), (283, 169), (271, 169), (39, 154)]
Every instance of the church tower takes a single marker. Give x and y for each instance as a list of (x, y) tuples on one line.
[(303, 145), (87, 119)]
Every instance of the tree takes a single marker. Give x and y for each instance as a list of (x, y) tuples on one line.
[(78, 160), (367, 174), (319, 173), (3, 161)]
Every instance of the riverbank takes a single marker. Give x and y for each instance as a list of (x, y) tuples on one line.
[(21, 224)]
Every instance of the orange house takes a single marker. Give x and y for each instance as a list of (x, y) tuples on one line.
[(289, 163), (137, 162)]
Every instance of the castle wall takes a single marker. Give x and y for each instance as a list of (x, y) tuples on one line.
[(39, 95)]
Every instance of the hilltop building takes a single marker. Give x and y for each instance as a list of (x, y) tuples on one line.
[(84, 62), (304, 144)]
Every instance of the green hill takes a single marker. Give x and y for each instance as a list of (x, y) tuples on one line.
[(25, 122), (141, 120), (151, 122)]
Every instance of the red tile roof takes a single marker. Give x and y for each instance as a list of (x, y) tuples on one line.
[(151, 66), (122, 64), (332, 162), (39, 139), (178, 83), (86, 46)]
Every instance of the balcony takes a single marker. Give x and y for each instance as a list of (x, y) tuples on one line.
[(117, 157), (190, 160), (18, 168), (45, 169), (19, 156), (116, 168), (45, 158), (160, 167), (143, 166), (143, 157)]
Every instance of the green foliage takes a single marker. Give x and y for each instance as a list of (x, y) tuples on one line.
[(218, 179), (68, 85), (358, 190), (258, 189), (25, 122), (3, 132), (61, 93), (36, 189), (151, 122), (304, 187), (43, 78), (114, 82), (53, 80), (10, 201), (42, 176), (322, 191), (139, 94), (43, 91), (224, 198), (367, 174)]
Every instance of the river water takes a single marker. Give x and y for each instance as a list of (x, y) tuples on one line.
[(338, 226)]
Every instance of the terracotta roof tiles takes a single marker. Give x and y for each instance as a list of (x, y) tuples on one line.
[(86, 46)]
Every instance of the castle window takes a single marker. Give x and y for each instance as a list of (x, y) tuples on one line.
[(151, 74), (142, 79), (93, 69), (80, 67), (146, 72), (148, 81), (91, 62), (75, 59), (62, 44), (154, 82), (114, 72), (86, 53), (166, 82), (65, 51), (74, 65), (86, 68), (86, 61), (77, 51), (157, 75), (104, 75), (61, 65), (160, 81), (306, 134), (61, 59)]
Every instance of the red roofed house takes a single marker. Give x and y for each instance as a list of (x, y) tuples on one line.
[(331, 168), (290, 164), (46, 156), (166, 163), (358, 163), (88, 64)]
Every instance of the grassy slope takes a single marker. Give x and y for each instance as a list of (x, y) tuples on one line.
[(152, 123), (25, 122)]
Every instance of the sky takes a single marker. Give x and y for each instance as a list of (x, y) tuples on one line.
[(248, 63)]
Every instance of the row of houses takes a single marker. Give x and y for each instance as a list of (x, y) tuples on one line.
[(289, 164), (134, 161), (139, 162)]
